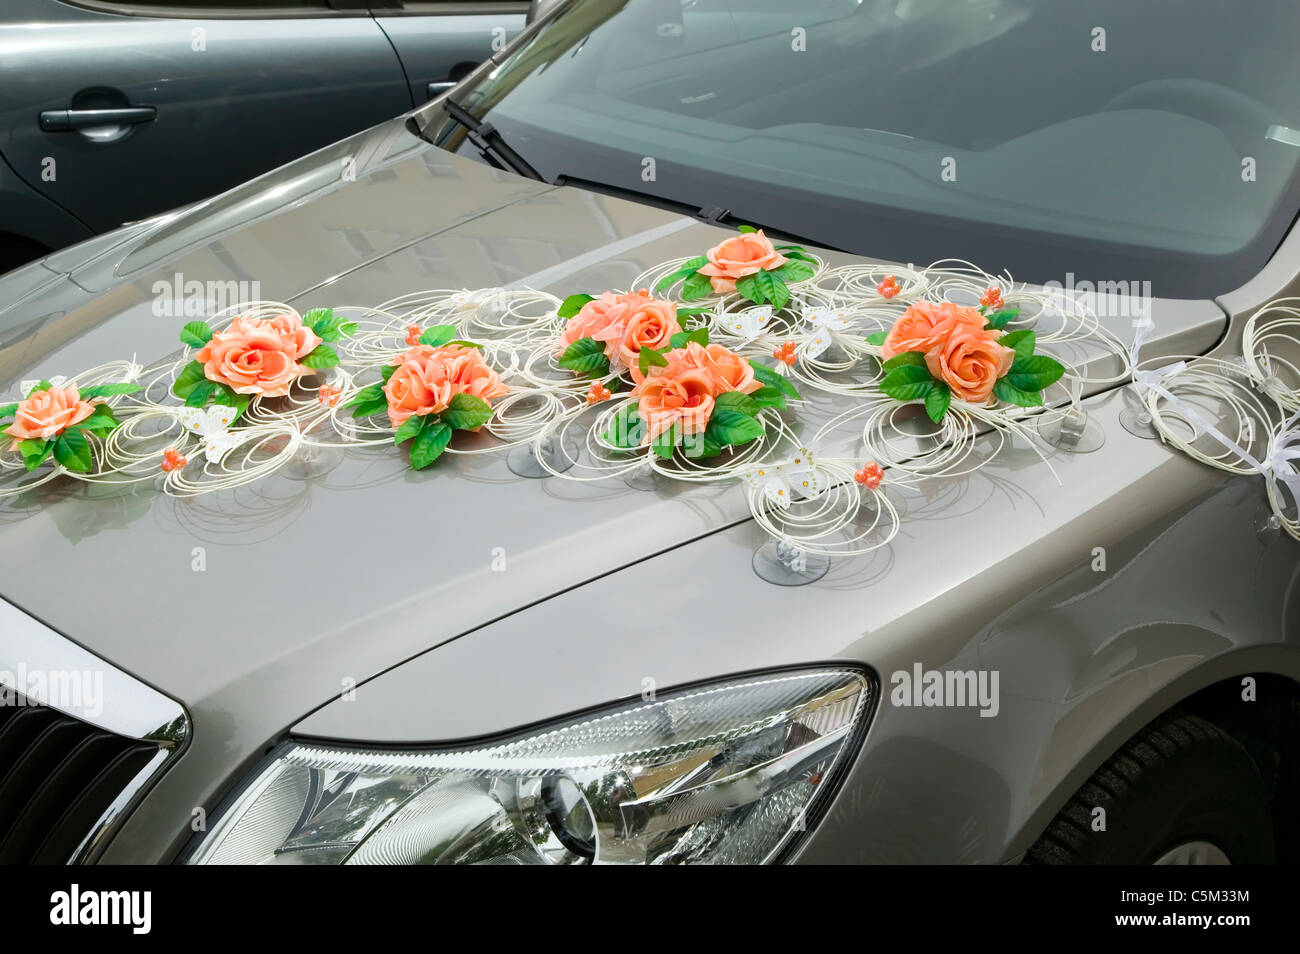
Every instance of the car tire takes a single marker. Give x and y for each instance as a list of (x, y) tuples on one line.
[(1180, 783)]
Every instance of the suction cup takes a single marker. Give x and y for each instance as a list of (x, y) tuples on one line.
[(783, 564)]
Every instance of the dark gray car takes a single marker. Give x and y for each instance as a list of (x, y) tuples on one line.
[(350, 661), (115, 110)]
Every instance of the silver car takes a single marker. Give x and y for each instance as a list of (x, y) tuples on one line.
[(1087, 658)]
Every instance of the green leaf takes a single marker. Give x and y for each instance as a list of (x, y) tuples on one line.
[(72, 450), (100, 421), (430, 443), (688, 269), (680, 340), (937, 401), (684, 313), (1022, 342), (1034, 373), (736, 401), (40, 386), (650, 358), (386, 372), (107, 390), (585, 356), (909, 382), (905, 359), (195, 334), (731, 427), (322, 356), (795, 270), (200, 393), (696, 446), (8, 410), (572, 305), (750, 288), (998, 320), (768, 397), (34, 452), (410, 428), (797, 252), (369, 401), (438, 335), (226, 396), (1006, 391), (467, 412), (461, 342), (877, 338), (328, 326), (626, 429), (666, 442), (774, 380), (746, 228), (697, 286), (190, 376)]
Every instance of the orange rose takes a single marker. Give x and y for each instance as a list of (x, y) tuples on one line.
[(470, 374), (684, 398), (595, 316), (47, 414), (740, 256), (427, 378), (970, 362), (305, 340), (926, 325), (255, 357), (645, 322), (730, 371)]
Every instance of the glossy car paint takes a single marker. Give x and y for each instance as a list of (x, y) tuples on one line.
[(236, 95), (357, 570)]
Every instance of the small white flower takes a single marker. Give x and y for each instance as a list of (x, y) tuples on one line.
[(749, 324), (213, 425), (795, 479)]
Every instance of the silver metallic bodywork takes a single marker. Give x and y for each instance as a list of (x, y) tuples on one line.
[(370, 575)]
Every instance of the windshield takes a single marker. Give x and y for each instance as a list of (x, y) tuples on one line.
[(1152, 141)]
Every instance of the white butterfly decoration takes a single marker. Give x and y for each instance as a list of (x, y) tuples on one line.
[(213, 425), (470, 300), (749, 324), (794, 479), (822, 323), (25, 387)]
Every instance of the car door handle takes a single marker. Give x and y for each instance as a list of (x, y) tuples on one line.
[(440, 87), (61, 120)]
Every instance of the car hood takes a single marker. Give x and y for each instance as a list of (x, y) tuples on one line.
[(314, 579)]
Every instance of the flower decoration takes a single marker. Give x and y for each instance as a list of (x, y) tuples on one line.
[(888, 287), (785, 353), (328, 395), (870, 475), (597, 393), (823, 323), (57, 421), (256, 357), (606, 334), (438, 386), (796, 479), (992, 297), (748, 264), (173, 460), (697, 395), (937, 351), (413, 333)]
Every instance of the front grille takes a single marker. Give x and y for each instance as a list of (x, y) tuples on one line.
[(59, 776)]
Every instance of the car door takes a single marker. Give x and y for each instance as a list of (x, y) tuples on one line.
[(121, 110), (441, 41)]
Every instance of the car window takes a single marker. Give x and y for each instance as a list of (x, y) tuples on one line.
[(1158, 138)]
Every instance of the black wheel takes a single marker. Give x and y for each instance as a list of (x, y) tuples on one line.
[(1181, 791)]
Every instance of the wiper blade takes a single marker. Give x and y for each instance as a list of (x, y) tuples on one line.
[(490, 143)]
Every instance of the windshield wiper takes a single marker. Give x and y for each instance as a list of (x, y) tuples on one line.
[(490, 143)]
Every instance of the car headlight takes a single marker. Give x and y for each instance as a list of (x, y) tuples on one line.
[(725, 773)]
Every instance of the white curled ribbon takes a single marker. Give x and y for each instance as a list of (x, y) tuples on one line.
[(1280, 465)]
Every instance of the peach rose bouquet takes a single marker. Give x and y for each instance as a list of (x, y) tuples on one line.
[(748, 264), (696, 395), (607, 334), (435, 387), (256, 356), (937, 351), (59, 421)]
